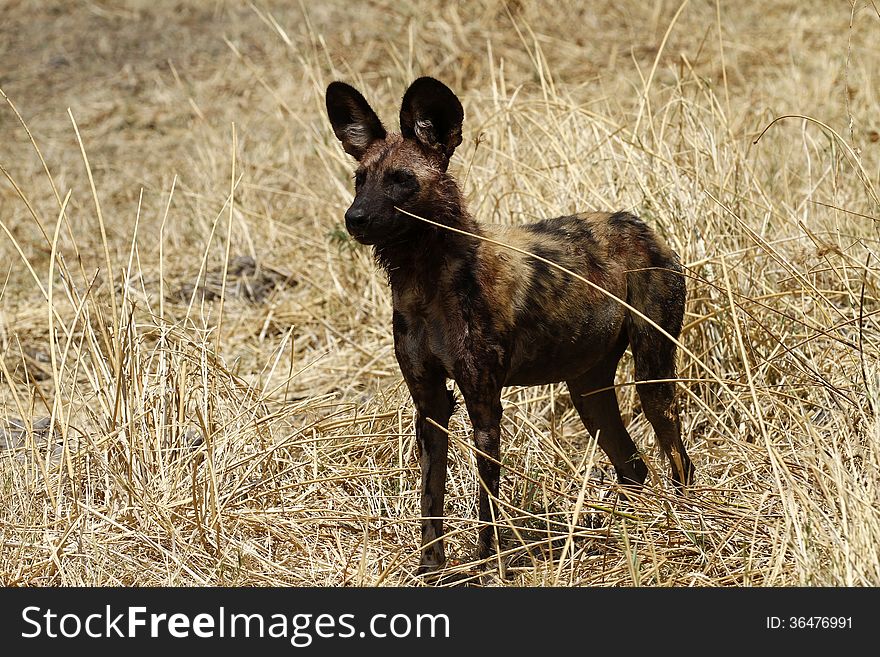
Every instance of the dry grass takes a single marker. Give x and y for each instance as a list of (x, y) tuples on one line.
[(178, 296)]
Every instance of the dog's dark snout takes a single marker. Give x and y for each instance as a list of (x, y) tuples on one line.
[(356, 218)]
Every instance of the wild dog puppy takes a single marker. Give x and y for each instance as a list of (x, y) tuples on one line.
[(488, 317)]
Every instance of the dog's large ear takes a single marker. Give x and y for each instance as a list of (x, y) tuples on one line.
[(432, 114), (354, 121)]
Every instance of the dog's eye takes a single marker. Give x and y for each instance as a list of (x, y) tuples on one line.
[(401, 176), (359, 178)]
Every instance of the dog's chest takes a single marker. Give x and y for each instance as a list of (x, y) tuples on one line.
[(429, 327)]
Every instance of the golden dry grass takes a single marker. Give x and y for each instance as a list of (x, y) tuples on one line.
[(179, 296)]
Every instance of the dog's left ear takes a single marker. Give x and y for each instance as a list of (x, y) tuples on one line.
[(432, 115)]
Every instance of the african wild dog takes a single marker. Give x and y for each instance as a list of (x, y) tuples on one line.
[(488, 317)]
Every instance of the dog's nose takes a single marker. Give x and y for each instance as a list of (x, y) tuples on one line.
[(356, 218)]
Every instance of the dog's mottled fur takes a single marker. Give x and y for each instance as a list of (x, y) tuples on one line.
[(488, 317)]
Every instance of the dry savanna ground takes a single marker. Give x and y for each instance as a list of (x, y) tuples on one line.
[(197, 380)]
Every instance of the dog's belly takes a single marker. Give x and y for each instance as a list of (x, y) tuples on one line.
[(553, 356)]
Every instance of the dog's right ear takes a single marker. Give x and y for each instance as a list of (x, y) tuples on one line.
[(354, 121)]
